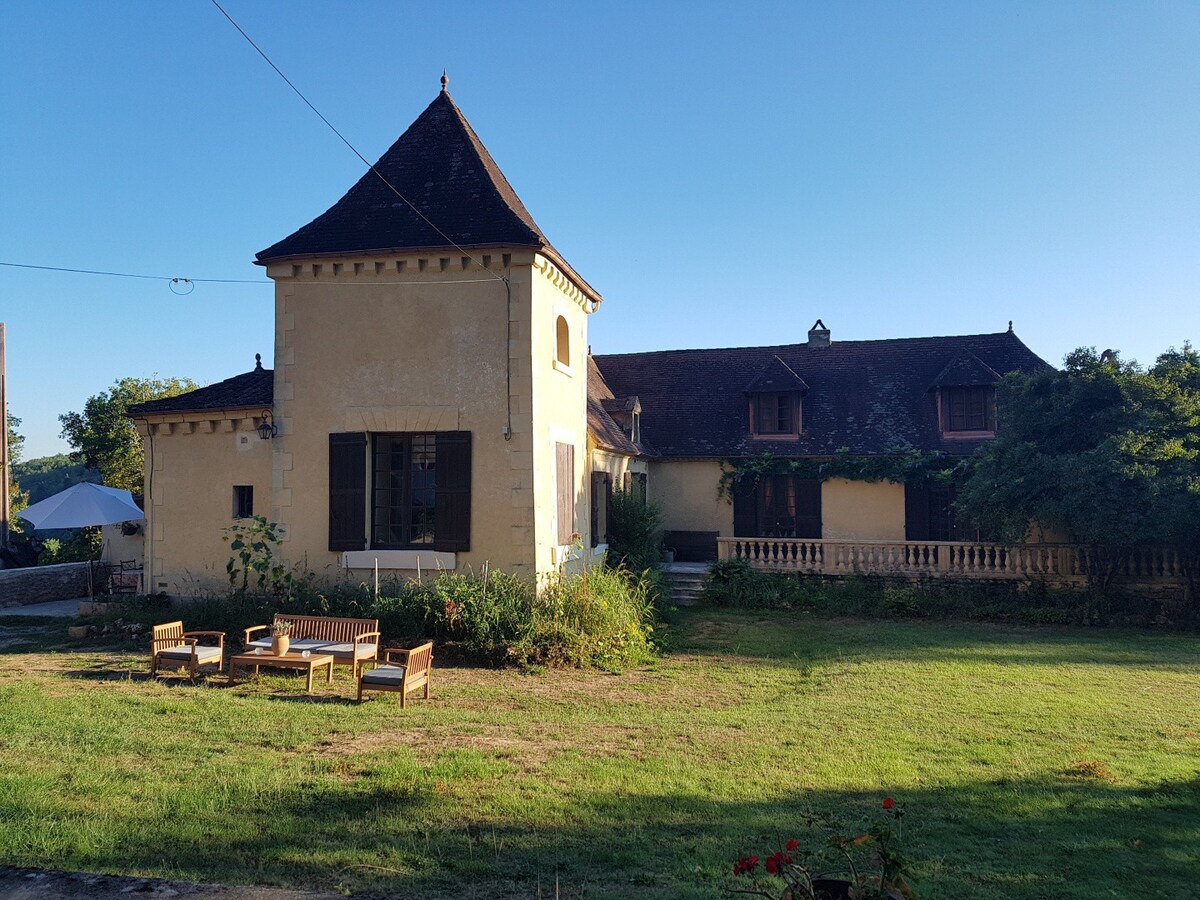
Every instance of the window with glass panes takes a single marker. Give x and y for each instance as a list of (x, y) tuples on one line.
[(969, 408), (775, 413), (404, 485)]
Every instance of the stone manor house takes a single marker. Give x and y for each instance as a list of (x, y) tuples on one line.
[(434, 403)]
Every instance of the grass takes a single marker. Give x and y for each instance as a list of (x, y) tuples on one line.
[(1034, 762)]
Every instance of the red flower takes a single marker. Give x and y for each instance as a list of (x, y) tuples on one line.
[(888, 802), (793, 844), (745, 865), (777, 861)]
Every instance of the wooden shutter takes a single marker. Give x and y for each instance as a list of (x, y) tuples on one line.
[(808, 508), (597, 491), (452, 515), (602, 483), (916, 513), (348, 491), (564, 466), (608, 492), (745, 513)]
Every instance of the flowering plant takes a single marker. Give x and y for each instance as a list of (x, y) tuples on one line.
[(281, 628), (867, 866)]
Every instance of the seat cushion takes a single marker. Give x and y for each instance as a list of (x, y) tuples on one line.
[(389, 675), (349, 651), (203, 654), (336, 650), (297, 645)]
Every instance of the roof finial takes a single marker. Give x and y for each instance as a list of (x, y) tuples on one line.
[(1010, 326), (257, 362), (445, 82)]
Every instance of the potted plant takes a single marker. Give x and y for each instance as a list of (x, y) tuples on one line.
[(867, 866), (281, 636)]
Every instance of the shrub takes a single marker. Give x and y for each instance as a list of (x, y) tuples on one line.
[(634, 532), (601, 617), (737, 583)]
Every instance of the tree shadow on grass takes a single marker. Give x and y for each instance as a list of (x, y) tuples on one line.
[(1000, 839), (786, 637)]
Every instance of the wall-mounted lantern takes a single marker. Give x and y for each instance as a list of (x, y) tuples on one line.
[(266, 428)]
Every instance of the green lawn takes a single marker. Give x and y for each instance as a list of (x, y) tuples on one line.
[(1034, 762)]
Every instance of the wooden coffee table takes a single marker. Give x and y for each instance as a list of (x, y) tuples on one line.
[(290, 660)]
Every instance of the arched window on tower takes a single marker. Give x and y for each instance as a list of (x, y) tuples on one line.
[(563, 334)]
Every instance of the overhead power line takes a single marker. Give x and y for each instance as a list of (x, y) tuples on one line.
[(172, 278), (344, 140)]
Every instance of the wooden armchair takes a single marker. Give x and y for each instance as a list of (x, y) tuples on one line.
[(171, 646), (405, 671)]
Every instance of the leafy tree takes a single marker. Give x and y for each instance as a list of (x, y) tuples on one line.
[(1103, 451), (17, 498), (103, 437), (47, 475), (16, 442)]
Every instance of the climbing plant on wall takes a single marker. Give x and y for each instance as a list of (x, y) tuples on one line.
[(902, 467)]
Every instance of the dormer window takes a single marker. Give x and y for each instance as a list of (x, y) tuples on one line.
[(966, 397), (968, 410), (774, 401), (775, 414)]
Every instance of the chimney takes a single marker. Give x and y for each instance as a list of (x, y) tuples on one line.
[(818, 335)]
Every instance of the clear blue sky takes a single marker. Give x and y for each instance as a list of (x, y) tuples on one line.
[(723, 174)]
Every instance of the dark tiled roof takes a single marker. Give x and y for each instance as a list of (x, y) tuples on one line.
[(604, 431), (869, 397), (966, 370), (442, 168), (255, 388), (776, 376)]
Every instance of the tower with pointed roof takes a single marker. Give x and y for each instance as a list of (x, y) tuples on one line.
[(430, 388)]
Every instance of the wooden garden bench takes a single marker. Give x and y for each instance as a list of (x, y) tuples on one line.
[(349, 641), (170, 645), (405, 672)]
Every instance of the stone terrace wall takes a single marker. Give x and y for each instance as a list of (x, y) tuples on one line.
[(39, 584)]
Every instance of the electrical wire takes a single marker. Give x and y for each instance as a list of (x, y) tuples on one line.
[(343, 139), (175, 279), (179, 280)]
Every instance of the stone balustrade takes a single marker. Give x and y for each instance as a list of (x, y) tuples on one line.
[(949, 559)]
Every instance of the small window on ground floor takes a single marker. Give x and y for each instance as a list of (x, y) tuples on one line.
[(243, 501)]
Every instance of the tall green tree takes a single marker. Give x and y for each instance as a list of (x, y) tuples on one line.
[(103, 437), (1103, 451), (16, 441), (17, 499)]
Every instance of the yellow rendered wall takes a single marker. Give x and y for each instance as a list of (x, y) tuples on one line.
[(687, 491), (862, 511), (405, 343), (559, 409), (191, 468)]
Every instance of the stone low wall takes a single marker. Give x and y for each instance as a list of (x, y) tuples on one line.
[(40, 584)]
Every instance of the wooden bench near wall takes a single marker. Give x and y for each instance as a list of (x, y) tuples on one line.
[(349, 641)]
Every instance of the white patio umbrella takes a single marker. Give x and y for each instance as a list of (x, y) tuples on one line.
[(83, 504)]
